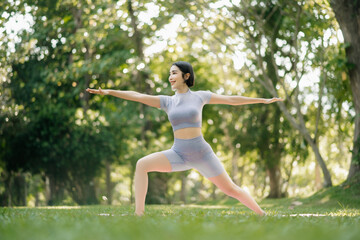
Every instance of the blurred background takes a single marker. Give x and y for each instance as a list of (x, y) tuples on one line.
[(61, 146)]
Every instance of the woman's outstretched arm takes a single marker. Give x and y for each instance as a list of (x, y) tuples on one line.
[(239, 100), (153, 101)]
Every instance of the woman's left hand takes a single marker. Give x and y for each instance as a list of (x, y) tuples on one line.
[(271, 100)]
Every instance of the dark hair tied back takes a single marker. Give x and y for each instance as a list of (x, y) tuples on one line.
[(185, 68)]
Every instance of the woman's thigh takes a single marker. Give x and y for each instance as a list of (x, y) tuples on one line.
[(155, 162)]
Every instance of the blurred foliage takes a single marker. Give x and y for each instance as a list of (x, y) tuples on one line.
[(60, 139)]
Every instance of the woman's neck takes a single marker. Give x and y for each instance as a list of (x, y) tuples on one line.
[(183, 90)]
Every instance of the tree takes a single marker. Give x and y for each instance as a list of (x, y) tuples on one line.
[(271, 34), (51, 67), (347, 14)]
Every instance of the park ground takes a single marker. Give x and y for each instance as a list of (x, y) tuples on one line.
[(329, 214)]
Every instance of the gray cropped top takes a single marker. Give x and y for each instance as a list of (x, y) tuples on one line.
[(184, 110)]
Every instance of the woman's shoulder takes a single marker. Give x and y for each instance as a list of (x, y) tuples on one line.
[(202, 92), (205, 95)]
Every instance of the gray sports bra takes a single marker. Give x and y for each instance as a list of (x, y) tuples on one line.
[(184, 110)]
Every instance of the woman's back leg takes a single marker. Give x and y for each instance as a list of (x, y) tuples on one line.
[(224, 182)]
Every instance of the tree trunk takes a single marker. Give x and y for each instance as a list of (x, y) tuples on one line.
[(19, 191), (323, 79), (157, 187), (274, 159), (317, 177), (8, 188), (288, 172), (235, 168), (200, 189), (109, 183), (56, 191), (347, 14), (47, 190), (132, 175), (234, 158), (183, 187), (320, 160), (90, 192), (275, 184), (213, 192)]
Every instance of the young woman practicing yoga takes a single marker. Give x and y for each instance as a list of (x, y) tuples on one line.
[(190, 150)]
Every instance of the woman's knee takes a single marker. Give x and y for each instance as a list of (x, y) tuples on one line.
[(141, 165), (155, 162)]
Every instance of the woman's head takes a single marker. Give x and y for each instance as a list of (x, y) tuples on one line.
[(187, 72)]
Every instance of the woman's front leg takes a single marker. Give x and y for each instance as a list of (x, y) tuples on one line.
[(224, 182), (155, 162)]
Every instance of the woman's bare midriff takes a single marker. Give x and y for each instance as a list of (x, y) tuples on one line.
[(187, 133)]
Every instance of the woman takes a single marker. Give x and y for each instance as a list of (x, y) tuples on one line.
[(190, 150)]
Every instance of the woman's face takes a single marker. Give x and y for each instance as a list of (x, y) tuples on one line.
[(175, 78)]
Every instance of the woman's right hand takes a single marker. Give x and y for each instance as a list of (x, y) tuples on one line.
[(99, 91)]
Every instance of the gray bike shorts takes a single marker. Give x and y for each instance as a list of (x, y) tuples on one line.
[(195, 153)]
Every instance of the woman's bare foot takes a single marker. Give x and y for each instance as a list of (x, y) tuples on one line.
[(263, 213), (139, 214)]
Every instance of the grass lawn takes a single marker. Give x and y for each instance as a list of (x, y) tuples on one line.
[(331, 214)]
